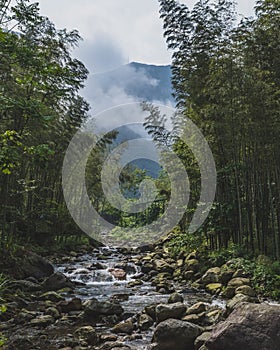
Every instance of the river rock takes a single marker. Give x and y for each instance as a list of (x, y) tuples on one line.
[(214, 288), (145, 322), (228, 293), (202, 339), (176, 334), (162, 266), (124, 327), (95, 308), (87, 334), (29, 264), (151, 311), (250, 327), (175, 298), (237, 300), (165, 311), (246, 290), (52, 296), (53, 311), (212, 275), (57, 281), (27, 286), (239, 281), (226, 276), (192, 265), (197, 308), (70, 305), (119, 274), (42, 321)]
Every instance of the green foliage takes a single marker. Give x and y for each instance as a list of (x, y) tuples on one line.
[(186, 242), (226, 79), (40, 111), (264, 275), (220, 257)]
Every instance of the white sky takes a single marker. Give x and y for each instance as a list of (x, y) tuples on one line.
[(117, 31)]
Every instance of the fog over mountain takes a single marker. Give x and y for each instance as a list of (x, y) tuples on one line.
[(134, 82)]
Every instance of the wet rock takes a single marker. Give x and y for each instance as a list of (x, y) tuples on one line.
[(147, 267), (128, 268), (135, 283), (70, 305), (214, 316), (145, 322), (119, 274), (250, 326), (202, 339), (214, 288), (99, 266), (115, 346), (94, 308), (108, 338), (237, 282), (189, 275), (175, 334), (192, 265), (226, 276), (124, 327), (52, 296), (165, 311), (53, 312), (29, 264), (163, 266), (228, 293), (175, 298), (27, 286), (246, 290), (42, 321), (57, 281), (212, 275), (20, 342), (121, 297), (194, 318), (87, 334), (237, 300), (151, 311), (197, 308), (25, 316)]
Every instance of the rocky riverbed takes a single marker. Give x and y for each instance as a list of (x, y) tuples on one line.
[(119, 299)]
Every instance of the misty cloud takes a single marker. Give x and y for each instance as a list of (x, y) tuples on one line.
[(101, 54)]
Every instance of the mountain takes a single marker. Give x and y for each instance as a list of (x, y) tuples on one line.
[(133, 82), (130, 83)]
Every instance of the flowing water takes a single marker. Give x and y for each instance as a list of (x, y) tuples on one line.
[(92, 271)]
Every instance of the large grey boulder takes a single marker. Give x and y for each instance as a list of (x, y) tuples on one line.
[(95, 308), (165, 311), (57, 281), (29, 264), (250, 327), (175, 334)]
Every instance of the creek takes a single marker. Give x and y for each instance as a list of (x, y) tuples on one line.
[(92, 274)]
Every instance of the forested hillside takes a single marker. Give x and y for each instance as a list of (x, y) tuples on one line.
[(226, 78), (40, 110)]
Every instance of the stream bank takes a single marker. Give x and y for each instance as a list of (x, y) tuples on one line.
[(122, 299)]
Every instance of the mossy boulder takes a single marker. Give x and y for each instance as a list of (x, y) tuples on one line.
[(214, 288)]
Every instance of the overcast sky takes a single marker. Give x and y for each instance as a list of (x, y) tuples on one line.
[(117, 31)]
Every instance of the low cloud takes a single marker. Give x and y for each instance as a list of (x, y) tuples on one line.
[(101, 54)]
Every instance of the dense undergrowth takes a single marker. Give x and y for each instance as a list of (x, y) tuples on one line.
[(263, 271)]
